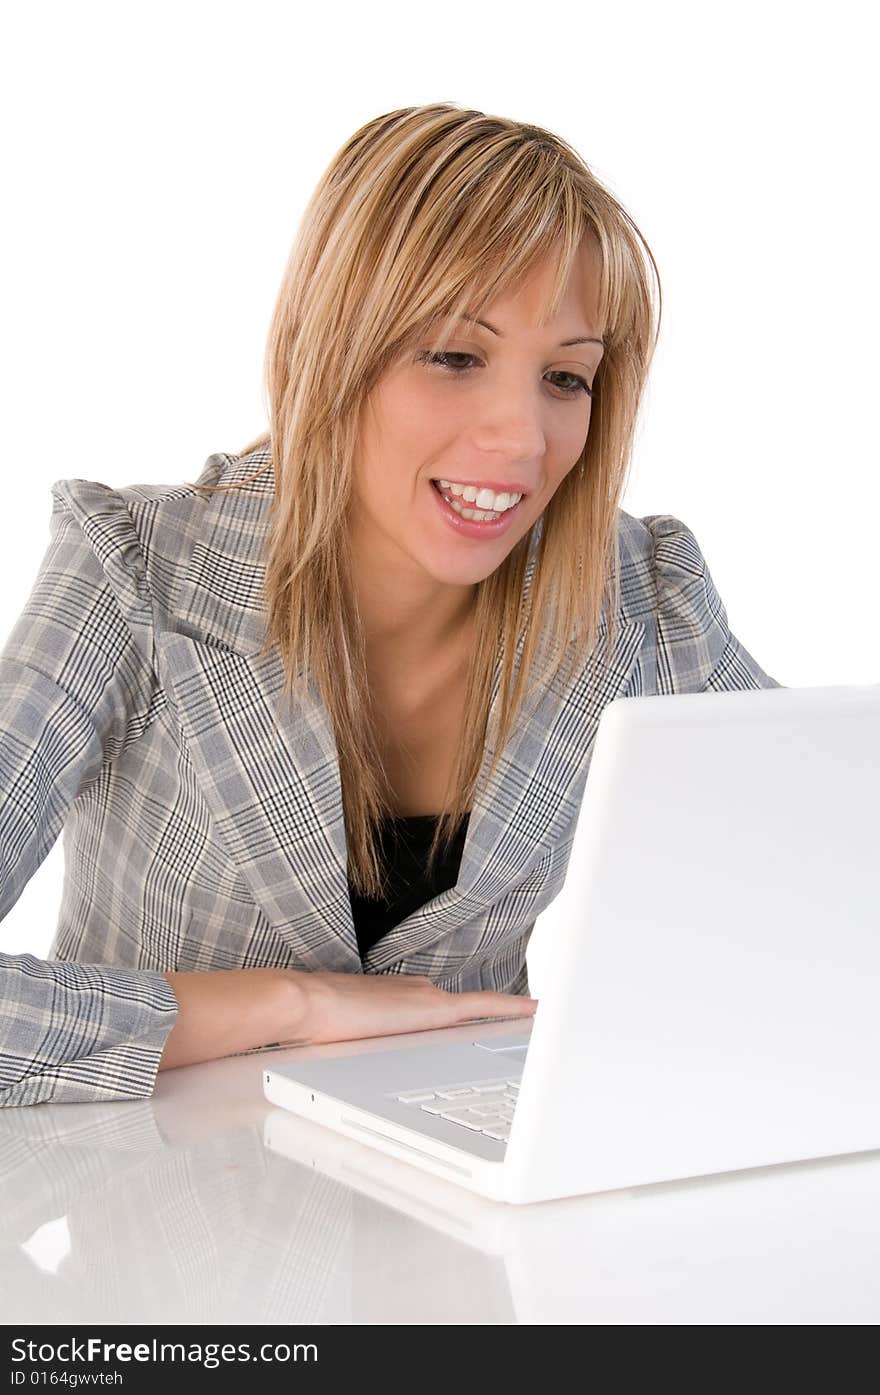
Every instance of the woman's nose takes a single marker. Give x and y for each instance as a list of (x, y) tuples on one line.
[(511, 427)]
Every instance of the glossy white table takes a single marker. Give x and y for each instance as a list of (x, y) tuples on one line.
[(205, 1204)]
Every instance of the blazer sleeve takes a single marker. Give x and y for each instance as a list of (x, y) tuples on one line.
[(696, 649), (77, 684)]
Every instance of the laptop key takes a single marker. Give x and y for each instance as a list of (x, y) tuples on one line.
[(471, 1121)]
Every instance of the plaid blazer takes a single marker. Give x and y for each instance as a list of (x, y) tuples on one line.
[(203, 824)]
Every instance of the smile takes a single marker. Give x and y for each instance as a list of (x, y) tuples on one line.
[(470, 522)]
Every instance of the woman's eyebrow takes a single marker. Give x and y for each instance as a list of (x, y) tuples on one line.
[(563, 343)]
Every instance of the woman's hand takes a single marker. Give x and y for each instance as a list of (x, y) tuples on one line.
[(345, 1007)]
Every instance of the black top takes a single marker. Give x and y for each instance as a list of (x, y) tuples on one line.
[(410, 887)]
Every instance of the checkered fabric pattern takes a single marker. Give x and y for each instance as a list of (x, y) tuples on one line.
[(202, 817)]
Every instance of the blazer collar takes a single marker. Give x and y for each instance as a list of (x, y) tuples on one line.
[(270, 773)]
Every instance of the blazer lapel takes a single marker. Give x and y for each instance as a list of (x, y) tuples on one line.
[(527, 806), (270, 773), (271, 780)]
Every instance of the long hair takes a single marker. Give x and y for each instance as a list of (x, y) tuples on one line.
[(423, 212)]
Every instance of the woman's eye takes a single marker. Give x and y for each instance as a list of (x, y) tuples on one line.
[(444, 360), (580, 384)]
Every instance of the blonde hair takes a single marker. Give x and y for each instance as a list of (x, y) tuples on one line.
[(424, 212)]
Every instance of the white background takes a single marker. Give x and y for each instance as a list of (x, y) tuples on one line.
[(157, 159)]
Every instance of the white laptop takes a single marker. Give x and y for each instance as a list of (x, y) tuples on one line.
[(711, 997)]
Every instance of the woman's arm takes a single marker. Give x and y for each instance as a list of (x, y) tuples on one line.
[(76, 688), (232, 1010)]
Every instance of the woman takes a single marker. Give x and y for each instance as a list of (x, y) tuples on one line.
[(318, 725)]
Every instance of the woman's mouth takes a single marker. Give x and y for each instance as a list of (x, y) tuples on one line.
[(453, 511)]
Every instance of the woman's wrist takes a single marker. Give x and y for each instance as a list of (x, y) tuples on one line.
[(295, 1007), (226, 1011)]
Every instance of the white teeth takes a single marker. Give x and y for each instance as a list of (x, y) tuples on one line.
[(485, 499)]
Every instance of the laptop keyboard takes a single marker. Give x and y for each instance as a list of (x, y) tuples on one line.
[(483, 1106)]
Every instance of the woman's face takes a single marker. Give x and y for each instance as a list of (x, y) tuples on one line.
[(504, 412)]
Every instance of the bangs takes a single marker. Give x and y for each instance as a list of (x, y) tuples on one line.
[(479, 279)]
